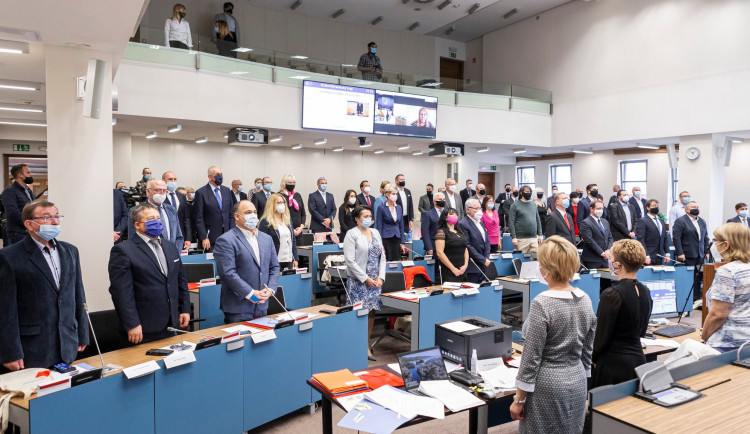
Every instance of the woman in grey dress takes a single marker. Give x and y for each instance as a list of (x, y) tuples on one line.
[(559, 338)]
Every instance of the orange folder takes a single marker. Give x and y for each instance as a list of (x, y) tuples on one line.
[(339, 381)]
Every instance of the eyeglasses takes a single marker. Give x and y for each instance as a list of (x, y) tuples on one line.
[(49, 218)]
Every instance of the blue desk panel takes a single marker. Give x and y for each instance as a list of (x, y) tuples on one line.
[(212, 386), (339, 342), (591, 286), (504, 267), (276, 373), (111, 405), (507, 244), (487, 304), (209, 297), (296, 290), (314, 264), (418, 246), (433, 310)]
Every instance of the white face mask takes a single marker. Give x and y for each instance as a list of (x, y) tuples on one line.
[(159, 198), (367, 189), (251, 221), (541, 276), (576, 200), (478, 215), (470, 186), (625, 199), (599, 213), (280, 208), (716, 253), (352, 200)]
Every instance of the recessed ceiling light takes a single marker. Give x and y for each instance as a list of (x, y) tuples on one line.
[(736, 140), (377, 20), (404, 147), (154, 47), (474, 8), (485, 149), (22, 124), (519, 151), (226, 135), (582, 151), (444, 4), (450, 30), (13, 47), (510, 13), (339, 149), (297, 146), (276, 139), (19, 85), (295, 5), (152, 135), (320, 142), (647, 146), (379, 151), (174, 128), (300, 77), (203, 139), (10, 51), (338, 13), (418, 153), (414, 26), (238, 72)]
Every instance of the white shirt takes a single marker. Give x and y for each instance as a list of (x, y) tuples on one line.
[(402, 193), (697, 226), (237, 196), (393, 212), (676, 212), (451, 200), (285, 244), (656, 222), (176, 204), (252, 239), (640, 205), (53, 259), (628, 217), (175, 30), (323, 193), (479, 226)]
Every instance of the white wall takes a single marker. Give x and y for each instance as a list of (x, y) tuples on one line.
[(473, 64), (628, 70)]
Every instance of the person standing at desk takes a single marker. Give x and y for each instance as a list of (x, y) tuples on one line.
[(622, 217), (559, 337), (559, 222), (15, 197), (213, 208), (430, 223), (525, 223), (406, 203), (491, 220), (379, 201), (247, 264), (741, 217), (365, 265), (425, 202), (727, 324), (277, 224), (295, 204), (690, 237), (622, 318), (345, 213), (478, 241), (652, 234), (450, 245), (597, 238), (389, 225), (322, 208)]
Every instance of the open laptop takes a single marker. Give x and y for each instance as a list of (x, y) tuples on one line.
[(421, 365)]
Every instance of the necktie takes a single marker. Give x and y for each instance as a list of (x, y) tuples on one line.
[(268, 195), (368, 200), (218, 197), (159, 255), (656, 222), (174, 200), (565, 216), (601, 226)]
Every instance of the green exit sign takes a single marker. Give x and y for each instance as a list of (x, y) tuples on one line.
[(452, 55), (21, 147), (493, 167)]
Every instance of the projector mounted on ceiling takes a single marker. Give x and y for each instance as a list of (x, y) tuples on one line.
[(243, 136), (444, 149)]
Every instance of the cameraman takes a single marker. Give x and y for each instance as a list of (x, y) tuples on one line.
[(369, 64)]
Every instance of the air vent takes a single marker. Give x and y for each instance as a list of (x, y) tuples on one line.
[(424, 2)]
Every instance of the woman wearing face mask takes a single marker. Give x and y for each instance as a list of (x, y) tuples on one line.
[(346, 221), (727, 324), (389, 225), (622, 318), (450, 245), (365, 265), (541, 205), (225, 41), (491, 220), (556, 360), (177, 29), (573, 209), (276, 222), (294, 202)]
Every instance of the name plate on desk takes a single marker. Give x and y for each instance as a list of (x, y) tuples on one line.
[(668, 268), (497, 285), (184, 253), (305, 276), (210, 256), (427, 257), (208, 281), (341, 245), (363, 312), (690, 267), (358, 305), (392, 265), (407, 264), (53, 386), (595, 275), (494, 256), (507, 256), (231, 337), (235, 345), (141, 369), (301, 271), (267, 335), (178, 359), (304, 326)]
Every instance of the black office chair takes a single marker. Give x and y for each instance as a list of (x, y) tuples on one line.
[(306, 239), (197, 271), (491, 271), (274, 305), (104, 323), (335, 284), (394, 282)]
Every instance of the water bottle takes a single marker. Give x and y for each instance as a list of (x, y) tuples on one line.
[(474, 362), (408, 237)]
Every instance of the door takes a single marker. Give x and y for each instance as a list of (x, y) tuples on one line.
[(451, 73), (488, 179)]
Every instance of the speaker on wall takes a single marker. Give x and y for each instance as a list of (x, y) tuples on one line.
[(728, 151), (673, 156), (92, 98)]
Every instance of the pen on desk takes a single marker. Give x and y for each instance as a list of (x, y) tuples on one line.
[(714, 385)]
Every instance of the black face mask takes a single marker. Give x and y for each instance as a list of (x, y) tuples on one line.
[(28, 180), (594, 193), (654, 210), (482, 192), (429, 192), (540, 195), (527, 195), (507, 190), (440, 203), (228, 10), (290, 187), (402, 183), (695, 211), (515, 194)]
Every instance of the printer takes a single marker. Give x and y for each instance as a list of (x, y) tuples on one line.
[(459, 337)]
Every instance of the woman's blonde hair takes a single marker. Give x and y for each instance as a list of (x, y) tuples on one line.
[(223, 28), (630, 254), (737, 236), (559, 257), (389, 188), (269, 213), (286, 179)]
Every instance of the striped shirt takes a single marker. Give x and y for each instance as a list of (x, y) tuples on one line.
[(731, 285)]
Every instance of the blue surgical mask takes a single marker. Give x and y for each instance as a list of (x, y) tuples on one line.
[(154, 228), (216, 29), (147, 176), (686, 200), (259, 186), (743, 213), (48, 232), (218, 179), (490, 206), (373, 50), (172, 186), (268, 187), (566, 203), (637, 194), (239, 188), (323, 187), (366, 222), (251, 221)]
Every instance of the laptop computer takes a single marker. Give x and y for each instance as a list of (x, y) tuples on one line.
[(421, 365)]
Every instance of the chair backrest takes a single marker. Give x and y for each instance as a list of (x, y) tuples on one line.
[(104, 323), (196, 272), (274, 306), (323, 255), (420, 282), (394, 282), (491, 271), (306, 239)]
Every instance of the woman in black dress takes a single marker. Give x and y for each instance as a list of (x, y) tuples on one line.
[(450, 245), (622, 318), (225, 41), (295, 202), (346, 221)]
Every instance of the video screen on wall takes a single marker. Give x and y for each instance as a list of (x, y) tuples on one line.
[(327, 106), (401, 114)]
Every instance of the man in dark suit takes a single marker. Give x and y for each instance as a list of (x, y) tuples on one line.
[(406, 202), (147, 281), (120, 214), (478, 241), (597, 238), (14, 198), (551, 198), (237, 190), (322, 208), (741, 217), (509, 199), (584, 205), (652, 234), (559, 221), (42, 315), (364, 197), (622, 217), (248, 266), (426, 201), (259, 199), (639, 203), (156, 192), (690, 236), (212, 208), (430, 223), (467, 192), (616, 190), (179, 203), (500, 205)]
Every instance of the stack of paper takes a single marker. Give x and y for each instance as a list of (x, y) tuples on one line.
[(451, 285), (454, 397), (367, 416), (340, 383), (669, 343), (500, 377), (405, 403)]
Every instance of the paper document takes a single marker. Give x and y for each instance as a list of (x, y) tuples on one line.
[(515, 362), (295, 316), (404, 295), (180, 346), (237, 328), (669, 343), (450, 366), (500, 377), (350, 401), (459, 326), (454, 397), (372, 418), (488, 364), (405, 403), (451, 285), (395, 368)]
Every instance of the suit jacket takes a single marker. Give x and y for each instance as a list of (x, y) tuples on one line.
[(584, 210), (175, 233), (208, 215), (551, 202), (507, 203), (142, 295), (736, 219), (409, 206), (14, 199), (466, 194), (320, 210), (612, 199), (594, 242), (276, 238), (120, 214), (500, 202), (634, 201), (651, 240), (184, 215), (685, 238), (425, 204), (429, 228), (259, 200), (459, 204), (388, 227), (346, 221), (555, 225), (39, 323), (618, 221), (243, 195), (362, 201), (241, 272), (479, 249)]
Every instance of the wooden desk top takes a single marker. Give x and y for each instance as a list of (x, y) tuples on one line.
[(427, 288), (723, 409), (135, 355)]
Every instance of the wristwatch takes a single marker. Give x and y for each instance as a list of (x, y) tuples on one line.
[(517, 401)]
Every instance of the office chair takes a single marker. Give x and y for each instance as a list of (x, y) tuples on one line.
[(104, 324), (306, 239), (197, 271), (394, 282)]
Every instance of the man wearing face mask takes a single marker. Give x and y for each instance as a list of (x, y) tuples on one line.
[(478, 241), (364, 197), (322, 208), (260, 198), (426, 202), (147, 281), (584, 205), (14, 198), (623, 219), (156, 191), (406, 202), (248, 266), (145, 176), (237, 190), (452, 198), (616, 190), (369, 64), (551, 199), (42, 318), (678, 210), (430, 223), (500, 205), (741, 218), (212, 209), (559, 222), (467, 192), (525, 224), (179, 202), (228, 17), (639, 203), (597, 238), (652, 234), (512, 197), (480, 193), (690, 237)]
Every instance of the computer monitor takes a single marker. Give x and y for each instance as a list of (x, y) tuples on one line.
[(422, 365), (664, 296)]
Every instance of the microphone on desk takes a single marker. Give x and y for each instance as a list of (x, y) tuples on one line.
[(487, 281), (663, 365), (586, 270), (105, 368), (172, 329), (281, 324), (670, 259), (417, 256)]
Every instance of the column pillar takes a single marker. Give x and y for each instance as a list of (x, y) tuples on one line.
[(704, 176)]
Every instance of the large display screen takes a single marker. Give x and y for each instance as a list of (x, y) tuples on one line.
[(401, 114), (327, 106)]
